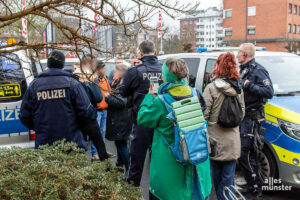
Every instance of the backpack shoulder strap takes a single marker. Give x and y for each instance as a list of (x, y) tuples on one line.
[(169, 109), (194, 93)]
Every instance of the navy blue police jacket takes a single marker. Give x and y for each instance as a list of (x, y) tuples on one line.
[(53, 105), (136, 81), (259, 88)]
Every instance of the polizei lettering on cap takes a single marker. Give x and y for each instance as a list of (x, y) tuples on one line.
[(51, 94)]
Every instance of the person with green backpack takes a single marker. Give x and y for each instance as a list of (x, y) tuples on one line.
[(175, 176)]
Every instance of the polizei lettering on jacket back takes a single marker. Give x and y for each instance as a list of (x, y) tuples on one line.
[(147, 76), (51, 94)]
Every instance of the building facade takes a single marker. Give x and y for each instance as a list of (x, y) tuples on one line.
[(204, 29), (270, 23)]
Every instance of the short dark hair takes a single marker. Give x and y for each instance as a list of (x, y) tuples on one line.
[(147, 47), (100, 65)]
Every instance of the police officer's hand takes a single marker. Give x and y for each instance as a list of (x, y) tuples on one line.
[(245, 83)]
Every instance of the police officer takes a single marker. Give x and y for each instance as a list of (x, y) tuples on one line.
[(257, 88), (54, 103), (136, 84)]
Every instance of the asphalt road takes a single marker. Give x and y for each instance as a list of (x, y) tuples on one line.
[(287, 195)]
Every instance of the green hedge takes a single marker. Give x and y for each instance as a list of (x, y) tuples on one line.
[(61, 171)]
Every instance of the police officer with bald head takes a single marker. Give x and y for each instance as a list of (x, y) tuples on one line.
[(54, 103), (257, 87)]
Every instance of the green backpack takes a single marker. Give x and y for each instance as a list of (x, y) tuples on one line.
[(190, 129)]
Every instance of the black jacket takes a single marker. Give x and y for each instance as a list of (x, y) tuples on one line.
[(95, 95), (136, 81), (53, 105), (118, 123), (260, 87)]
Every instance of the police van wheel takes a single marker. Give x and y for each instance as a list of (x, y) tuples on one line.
[(267, 167)]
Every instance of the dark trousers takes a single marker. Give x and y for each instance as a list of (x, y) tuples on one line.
[(141, 140), (123, 153), (92, 129), (248, 159), (223, 175)]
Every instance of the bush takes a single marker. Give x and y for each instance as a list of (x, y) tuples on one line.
[(61, 171)]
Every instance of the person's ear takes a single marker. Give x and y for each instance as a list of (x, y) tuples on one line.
[(141, 54), (155, 53)]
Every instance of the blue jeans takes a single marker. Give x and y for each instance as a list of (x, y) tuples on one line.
[(223, 175), (101, 119), (123, 154)]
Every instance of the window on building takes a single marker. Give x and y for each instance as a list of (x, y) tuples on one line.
[(294, 29), (295, 9), (213, 39), (289, 28), (206, 26), (228, 13), (228, 32), (213, 26), (252, 11), (251, 30), (219, 25), (290, 8), (185, 22), (213, 46), (212, 19), (191, 22), (298, 29), (206, 33)]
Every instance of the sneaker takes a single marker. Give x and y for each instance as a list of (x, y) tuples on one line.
[(95, 158), (110, 155)]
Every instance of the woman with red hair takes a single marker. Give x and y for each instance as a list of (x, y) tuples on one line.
[(225, 82)]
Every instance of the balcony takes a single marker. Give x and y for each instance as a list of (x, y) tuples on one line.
[(200, 42)]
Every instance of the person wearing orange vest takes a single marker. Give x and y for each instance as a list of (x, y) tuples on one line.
[(102, 81)]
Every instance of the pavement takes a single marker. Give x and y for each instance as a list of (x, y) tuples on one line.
[(281, 195)]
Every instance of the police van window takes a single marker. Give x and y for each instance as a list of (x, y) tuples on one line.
[(208, 69), (193, 65), (110, 67), (12, 78), (68, 66)]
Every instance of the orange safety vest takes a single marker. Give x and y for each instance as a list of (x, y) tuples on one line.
[(105, 89)]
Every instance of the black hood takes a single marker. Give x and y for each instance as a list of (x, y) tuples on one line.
[(236, 84)]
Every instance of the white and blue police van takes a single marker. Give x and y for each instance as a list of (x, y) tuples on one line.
[(15, 76)]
